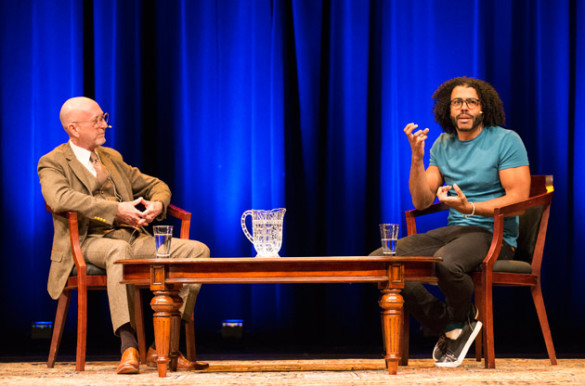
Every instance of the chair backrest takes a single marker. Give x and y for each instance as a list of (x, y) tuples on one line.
[(532, 227), (529, 226)]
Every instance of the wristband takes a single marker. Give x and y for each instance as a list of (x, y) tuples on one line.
[(472, 211)]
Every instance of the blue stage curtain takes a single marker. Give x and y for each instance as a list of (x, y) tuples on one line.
[(278, 103), (575, 226)]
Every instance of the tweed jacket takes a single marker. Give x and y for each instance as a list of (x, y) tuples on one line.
[(66, 185)]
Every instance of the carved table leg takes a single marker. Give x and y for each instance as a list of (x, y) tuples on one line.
[(175, 331), (166, 315), (391, 303)]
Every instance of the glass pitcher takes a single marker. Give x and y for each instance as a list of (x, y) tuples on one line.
[(266, 230)]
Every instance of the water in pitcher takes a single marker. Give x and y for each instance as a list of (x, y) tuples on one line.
[(267, 237)]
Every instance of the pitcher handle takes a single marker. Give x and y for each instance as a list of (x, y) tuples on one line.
[(244, 227)]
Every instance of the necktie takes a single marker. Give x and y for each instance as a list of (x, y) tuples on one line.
[(100, 169)]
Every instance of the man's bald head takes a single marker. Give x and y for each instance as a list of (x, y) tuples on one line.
[(76, 109), (84, 121)]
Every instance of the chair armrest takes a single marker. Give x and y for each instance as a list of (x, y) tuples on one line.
[(543, 199), (412, 214), (434, 208), (73, 225), (522, 206), (185, 218)]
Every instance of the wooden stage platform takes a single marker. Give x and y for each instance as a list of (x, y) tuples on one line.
[(346, 371)]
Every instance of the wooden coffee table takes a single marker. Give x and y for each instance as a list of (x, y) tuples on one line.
[(166, 277)]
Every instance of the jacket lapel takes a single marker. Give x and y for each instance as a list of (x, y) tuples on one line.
[(78, 169)]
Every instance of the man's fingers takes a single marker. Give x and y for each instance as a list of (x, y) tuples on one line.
[(458, 190), (420, 135), (443, 189), (409, 128)]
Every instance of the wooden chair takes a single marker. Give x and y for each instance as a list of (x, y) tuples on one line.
[(84, 277), (524, 270)]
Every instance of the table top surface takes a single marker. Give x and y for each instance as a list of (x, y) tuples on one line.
[(278, 260), (325, 269)]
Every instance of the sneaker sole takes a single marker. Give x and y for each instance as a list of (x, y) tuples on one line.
[(459, 360), (435, 354)]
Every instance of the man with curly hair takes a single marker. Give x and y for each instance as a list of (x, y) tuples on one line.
[(475, 166)]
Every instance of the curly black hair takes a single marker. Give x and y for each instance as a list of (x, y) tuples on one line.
[(491, 104)]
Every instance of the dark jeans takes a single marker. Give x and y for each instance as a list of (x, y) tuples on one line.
[(462, 248)]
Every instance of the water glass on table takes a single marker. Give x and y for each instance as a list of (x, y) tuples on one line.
[(162, 239), (389, 237)]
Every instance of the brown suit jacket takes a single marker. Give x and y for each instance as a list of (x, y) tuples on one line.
[(67, 186)]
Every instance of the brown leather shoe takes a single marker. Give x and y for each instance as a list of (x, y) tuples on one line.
[(130, 362), (182, 362)]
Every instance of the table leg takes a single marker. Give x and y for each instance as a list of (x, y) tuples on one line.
[(391, 303), (175, 332), (166, 314)]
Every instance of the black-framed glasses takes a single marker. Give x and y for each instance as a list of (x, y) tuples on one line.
[(97, 120), (470, 102)]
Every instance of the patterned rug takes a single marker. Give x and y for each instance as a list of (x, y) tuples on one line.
[(306, 372)]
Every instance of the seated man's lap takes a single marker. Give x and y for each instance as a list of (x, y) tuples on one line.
[(123, 244), (452, 243), (144, 248)]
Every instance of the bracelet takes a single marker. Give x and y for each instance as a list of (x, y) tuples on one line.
[(472, 211)]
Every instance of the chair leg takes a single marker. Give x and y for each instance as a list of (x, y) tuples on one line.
[(487, 313), (479, 338), (190, 339), (139, 321), (405, 339), (60, 317), (81, 328), (542, 318)]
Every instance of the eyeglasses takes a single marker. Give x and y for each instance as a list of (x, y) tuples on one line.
[(470, 102), (96, 120)]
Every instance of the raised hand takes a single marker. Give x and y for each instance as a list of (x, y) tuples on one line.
[(417, 140)]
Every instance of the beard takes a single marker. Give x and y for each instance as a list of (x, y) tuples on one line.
[(477, 120)]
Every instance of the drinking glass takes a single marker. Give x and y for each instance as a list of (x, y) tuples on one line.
[(162, 238), (389, 237)]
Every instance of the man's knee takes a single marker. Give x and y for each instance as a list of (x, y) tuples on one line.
[(205, 252), (449, 268), (184, 248), (121, 250), (415, 245), (198, 249)]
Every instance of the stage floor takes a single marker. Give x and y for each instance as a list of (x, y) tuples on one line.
[(346, 371)]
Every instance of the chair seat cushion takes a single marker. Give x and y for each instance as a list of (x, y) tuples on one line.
[(90, 270), (512, 266)]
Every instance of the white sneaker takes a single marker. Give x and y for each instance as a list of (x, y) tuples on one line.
[(456, 350)]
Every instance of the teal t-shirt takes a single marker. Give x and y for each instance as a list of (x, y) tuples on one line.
[(474, 166)]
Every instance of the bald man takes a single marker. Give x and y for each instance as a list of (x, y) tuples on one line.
[(94, 181)]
